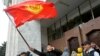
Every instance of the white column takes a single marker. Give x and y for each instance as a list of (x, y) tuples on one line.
[(32, 33), (44, 38), (10, 41)]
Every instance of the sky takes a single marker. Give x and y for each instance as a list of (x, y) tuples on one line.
[(4, 23)]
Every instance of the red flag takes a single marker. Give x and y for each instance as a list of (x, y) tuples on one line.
[(37, 0), (31, 10)]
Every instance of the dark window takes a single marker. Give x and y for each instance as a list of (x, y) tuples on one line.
[(53, 34), (96, 11), (64, 28), (86, 16)]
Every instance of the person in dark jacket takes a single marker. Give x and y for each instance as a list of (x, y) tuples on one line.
[(28, 53), (51, 51), (89, 50), (96, 48)]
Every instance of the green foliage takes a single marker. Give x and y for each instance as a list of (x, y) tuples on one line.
[(3, 49)]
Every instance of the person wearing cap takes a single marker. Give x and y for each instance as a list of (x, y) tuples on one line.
[(88, 50)]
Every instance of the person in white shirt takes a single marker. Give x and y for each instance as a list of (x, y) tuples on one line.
[(89, 51)]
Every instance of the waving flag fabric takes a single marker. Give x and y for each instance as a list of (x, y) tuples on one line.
[(37, 0), (31, 10)]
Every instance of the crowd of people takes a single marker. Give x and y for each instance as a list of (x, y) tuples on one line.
[(88, 49)]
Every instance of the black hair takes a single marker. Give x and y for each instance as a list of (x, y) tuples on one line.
[(86, 42), (49, 44), (22, 53)]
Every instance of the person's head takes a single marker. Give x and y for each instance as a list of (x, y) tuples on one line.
[(66, 49), (23, 54), (86, 45), (93, 45), (49, 47), (79, 49)]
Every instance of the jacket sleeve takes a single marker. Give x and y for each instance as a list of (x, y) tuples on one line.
[(58, 52), (38, 52)]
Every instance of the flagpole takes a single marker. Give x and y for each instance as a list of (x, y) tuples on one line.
[(81, 35), (18, 31), (23, 38)]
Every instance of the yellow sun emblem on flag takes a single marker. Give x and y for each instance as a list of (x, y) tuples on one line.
[(36, 8)]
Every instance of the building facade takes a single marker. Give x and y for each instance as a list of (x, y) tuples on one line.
[(77, 21), (83, 25)]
